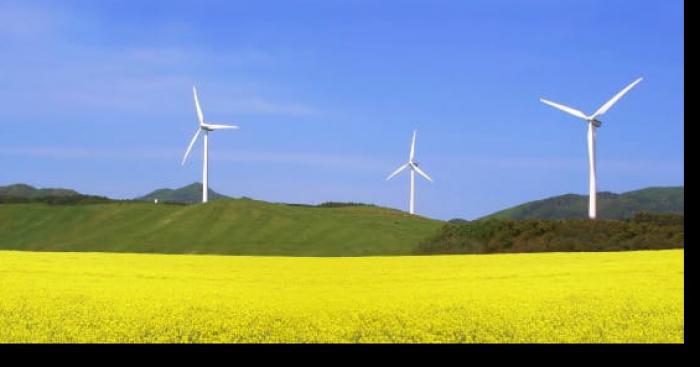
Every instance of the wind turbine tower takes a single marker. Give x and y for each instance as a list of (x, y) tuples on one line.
[(593, 124), (413, 165), (204, 127)]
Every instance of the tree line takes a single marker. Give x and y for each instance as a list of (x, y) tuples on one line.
[(642, 231)]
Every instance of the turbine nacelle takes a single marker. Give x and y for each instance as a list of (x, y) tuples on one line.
[(212, 127), (596, 123)]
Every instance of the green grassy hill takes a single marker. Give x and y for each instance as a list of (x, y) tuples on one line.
[(610, 205), (188, 194), (228, 226)]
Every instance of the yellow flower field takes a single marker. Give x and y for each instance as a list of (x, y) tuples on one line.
[(551, 297)]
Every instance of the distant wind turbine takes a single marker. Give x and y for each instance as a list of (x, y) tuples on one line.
[(413, 165), (206, 128), (593, 123)]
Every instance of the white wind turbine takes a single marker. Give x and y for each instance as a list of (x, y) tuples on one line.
[(206, 128), (413, 165), (593, 123)]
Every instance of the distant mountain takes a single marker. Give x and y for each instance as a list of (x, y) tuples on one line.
[(610, 205), (188, 194), (30, 192)]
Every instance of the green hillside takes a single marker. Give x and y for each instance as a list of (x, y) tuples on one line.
[(188, 194), (229, 226), (610, 205), (30, 192)]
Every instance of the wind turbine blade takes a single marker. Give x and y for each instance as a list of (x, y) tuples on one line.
[(569, 110), (200, 115), (219, 127), (420, 172), (604, 108), (397, 171), (413, 147), (189, 148)]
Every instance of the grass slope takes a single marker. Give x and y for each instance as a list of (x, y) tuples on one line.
[(610, 205), (230, 226), (623, 297)]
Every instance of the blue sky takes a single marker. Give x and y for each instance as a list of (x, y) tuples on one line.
[(96, 96)]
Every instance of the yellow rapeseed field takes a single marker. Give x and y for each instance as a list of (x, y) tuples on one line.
[(552, 297)]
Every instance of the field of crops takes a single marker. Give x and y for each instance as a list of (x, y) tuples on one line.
[(552, 297)]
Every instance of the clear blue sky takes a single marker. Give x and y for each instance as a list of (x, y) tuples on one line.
[(96, 96)]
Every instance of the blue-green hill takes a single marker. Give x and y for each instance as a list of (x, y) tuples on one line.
[(610, 205), (189, 194), (24, 191)]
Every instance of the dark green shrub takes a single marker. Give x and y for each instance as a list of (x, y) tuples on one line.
[(643, 231)]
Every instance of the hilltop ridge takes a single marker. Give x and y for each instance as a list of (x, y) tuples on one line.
[(610, 205), (189, 194), (21, 190)]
